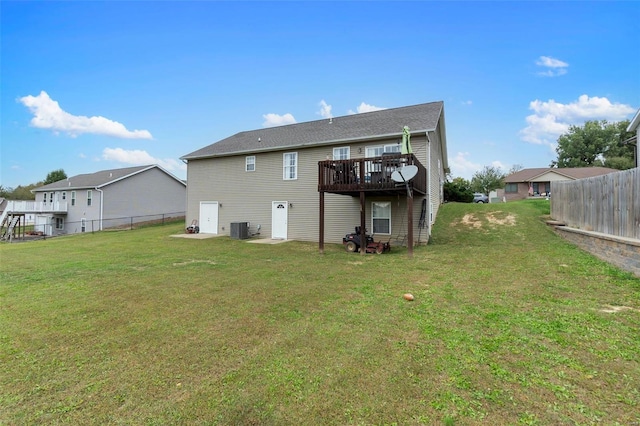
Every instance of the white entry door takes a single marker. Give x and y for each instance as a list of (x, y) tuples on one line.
[(43, 224), (279, 220), (208, 221)]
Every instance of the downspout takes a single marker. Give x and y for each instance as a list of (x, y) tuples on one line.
[(101, 205), (428, 218)]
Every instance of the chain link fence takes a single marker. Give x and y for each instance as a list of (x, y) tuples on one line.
[(60, 226)]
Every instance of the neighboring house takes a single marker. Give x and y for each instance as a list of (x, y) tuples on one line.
[(634, 126), (311, 181), (537, 182), (105, 199)]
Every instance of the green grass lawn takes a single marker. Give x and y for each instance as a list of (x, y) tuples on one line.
[(510, 325)]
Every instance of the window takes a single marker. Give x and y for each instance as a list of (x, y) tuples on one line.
[(381, 217), (44, 200), (83, 224), (59, 223), (89, 196), (393, 148), (51, 197), (511, 188), (250, 163), (374, 151), (377, 151), (341, 153), (290, 166), (64, 196), (73, 198)]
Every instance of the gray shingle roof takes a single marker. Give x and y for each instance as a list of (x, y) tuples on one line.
[(97, 179), (527, 175), (369, 125)]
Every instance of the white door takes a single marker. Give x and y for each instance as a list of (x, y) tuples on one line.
[(279, 220), (43, 225), (208, 221)]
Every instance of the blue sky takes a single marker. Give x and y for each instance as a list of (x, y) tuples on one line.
[(88, 86)]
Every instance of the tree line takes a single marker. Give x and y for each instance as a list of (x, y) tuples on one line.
[(594, 144), (24, 192)]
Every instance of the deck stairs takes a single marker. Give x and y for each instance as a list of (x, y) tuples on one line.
[(3, 217), (7, 233)]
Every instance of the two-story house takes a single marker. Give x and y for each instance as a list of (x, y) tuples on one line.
[(316, 181), (104, 199)]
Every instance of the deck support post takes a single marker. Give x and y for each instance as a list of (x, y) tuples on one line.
[(363, 231), (410, 224), (321, 225)]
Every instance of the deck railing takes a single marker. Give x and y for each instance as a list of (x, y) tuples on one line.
[(369, 174), (36, 207)]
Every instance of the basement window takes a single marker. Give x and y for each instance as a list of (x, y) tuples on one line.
[(381, 217)]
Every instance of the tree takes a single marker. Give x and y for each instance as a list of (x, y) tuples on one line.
[(5, 191), (459, 189), (515, 169), (19, 192), (596, 143), (487, 179), (55, 176)]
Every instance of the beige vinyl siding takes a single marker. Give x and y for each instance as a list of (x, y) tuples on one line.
[(248, 197)]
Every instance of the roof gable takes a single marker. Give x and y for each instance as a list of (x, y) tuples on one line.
[(570, 173), (370, 125), (634, 124), (101, 178)]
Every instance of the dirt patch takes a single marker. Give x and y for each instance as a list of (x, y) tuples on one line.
[(471, 221), (500, 218), (476, 221), (612, 309)]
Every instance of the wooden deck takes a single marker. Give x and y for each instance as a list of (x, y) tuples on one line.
[(369, 175)]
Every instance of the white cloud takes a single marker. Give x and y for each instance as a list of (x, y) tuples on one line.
[(271, 120), (551, 119), (16, 167), (499, 165), (139, 157), (555, 67), (365, 108), (82, 155), (461, 166), (325, 110), (48, 115), (467, 102)]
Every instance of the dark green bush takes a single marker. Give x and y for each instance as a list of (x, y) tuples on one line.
[(454, 191)]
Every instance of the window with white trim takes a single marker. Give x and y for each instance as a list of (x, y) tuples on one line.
[(83, 224), (89, 197), (381, 217), (377, 151), (64, 195), (342, 153), (250, 163), (290, 165), (59, 223), (73, 198), (51, 197), (44, 200)]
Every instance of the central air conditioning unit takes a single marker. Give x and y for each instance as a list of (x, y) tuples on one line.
[(240, 230)]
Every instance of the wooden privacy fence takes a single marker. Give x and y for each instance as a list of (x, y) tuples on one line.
[(609, 204)]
